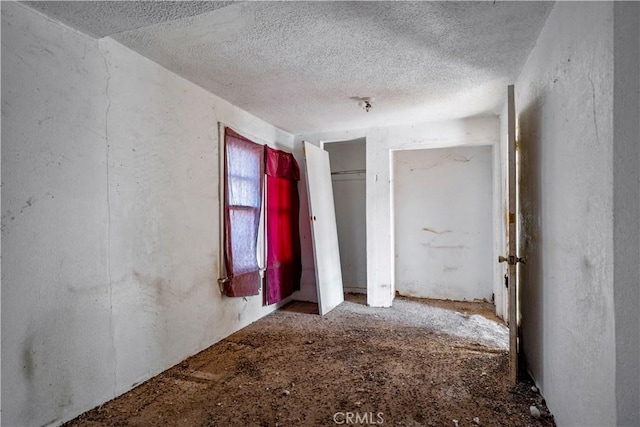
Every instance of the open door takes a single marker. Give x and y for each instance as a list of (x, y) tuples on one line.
[(512, 259), (324, 232)]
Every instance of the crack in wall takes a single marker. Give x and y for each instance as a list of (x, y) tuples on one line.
[(108, 178)]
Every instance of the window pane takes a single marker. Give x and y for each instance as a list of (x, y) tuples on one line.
[(244, 171), (242, 192), (244, 222)]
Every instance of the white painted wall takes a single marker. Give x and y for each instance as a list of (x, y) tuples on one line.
[(380, 274), (349, 193), (109, 221), (564, 104), (443, 218), (626, 208)]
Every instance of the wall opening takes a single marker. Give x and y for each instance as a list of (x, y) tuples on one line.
[(348, 176), (442, 204)]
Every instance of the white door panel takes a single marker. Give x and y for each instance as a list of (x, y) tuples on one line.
[(323, 229)]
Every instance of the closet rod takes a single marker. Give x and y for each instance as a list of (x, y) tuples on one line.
[(353, 172)]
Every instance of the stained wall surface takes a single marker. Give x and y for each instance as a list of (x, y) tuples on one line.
[(564, 104), (442, 213), (109, 219)]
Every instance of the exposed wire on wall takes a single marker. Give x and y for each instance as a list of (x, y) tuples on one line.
[(366, 103)]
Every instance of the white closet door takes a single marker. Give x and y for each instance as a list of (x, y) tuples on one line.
[(323, 227)]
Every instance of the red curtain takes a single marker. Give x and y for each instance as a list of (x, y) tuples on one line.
[(284, 264), (244, 171)]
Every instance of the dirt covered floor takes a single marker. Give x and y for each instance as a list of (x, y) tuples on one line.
[(419, 363)]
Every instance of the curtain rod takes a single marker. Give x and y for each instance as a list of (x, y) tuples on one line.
[(261, 140)]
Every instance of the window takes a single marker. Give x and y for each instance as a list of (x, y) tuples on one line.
[(247, 166), (244, 171)]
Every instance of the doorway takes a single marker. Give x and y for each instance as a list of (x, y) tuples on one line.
[(348, 177)]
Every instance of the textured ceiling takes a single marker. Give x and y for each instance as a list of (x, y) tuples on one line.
[(104, 18), (302, 66)]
